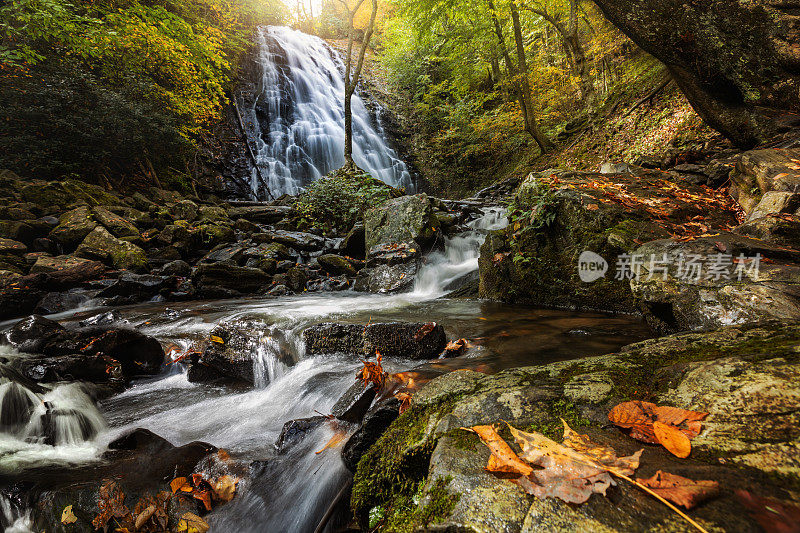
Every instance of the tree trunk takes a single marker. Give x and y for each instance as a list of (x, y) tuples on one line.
[(531, 124), (351, 77)]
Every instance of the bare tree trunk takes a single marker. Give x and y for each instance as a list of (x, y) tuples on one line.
[(531, 124), (352, 75)]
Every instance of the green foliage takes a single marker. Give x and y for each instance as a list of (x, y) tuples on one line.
[(337, 201), (166, 62), (534, 210)]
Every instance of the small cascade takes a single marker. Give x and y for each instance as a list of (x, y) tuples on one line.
[(61, 417), (459, 258), (267, 364), (297, 117)]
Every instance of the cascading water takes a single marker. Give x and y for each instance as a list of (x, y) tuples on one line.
[(297, 118)]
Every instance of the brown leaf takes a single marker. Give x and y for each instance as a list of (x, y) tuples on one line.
[(503, 458), (191, 523), (640, 418), (680, 490), (673, 439), (373, 373), (178, 483), (456, 347), (144, 516), (592, 207), (204, 495), (405, 401), (773, 515), (424, 330), (338, 438)]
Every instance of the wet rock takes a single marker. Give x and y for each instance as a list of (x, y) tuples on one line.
[(775, 203), (394, 253), (73, 227), (8, 246), (703, 296), (744, 376), (140, 438), (295, 278), (222, 279), (354, 243), (120, 254), (408, 218), (232, 358), (33, 333), (354, 403), (329, 284), (296, 430), (294, 239), (178, 268), (46, 264), (97, 369), (387, 279), (58, 302), (138, 287), (185, 210), (279, 290), (336, 265), (233, 253), (118, 226), (761, 171), (416, 340), (216, 234), (262, 214), (375, 423)]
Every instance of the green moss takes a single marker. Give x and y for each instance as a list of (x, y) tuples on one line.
[(440, 504), (462, 439)]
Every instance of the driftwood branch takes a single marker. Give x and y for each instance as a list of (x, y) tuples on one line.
[(332, 507)]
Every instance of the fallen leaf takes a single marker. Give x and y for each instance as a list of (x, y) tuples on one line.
[(457, 347), (373, 372), (773, 515), (680, 490), (191, 523), (424, 330), (178, 483), (204, 495), (67, 516), (673, 439), (405, 401), (503, 458), (144, 516), (334, 441), (216, 339), (570, 474), (592, 207), (224, 488)]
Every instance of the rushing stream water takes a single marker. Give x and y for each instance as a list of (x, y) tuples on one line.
[(297, 118), (291, 491)]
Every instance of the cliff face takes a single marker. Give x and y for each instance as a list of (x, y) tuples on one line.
[(738, 62)]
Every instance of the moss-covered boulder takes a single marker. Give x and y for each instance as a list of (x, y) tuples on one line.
[(408, 218), (73, 227), (116, 224), (47, 264), (100, 244), (556, 216), (55, 196), (763, 171), (427, 474)]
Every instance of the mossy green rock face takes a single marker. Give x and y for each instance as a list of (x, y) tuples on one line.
[(185, 210), (745, 377), (121, 254), (216, 234), (209, 213), (408, 218), (118, 226), (73, 227), (55, 196), (46, 264)]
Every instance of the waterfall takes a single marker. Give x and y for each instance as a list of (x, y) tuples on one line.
[(297, 117)]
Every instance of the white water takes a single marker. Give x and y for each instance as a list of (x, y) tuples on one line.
[(294, 489), (298, 117)]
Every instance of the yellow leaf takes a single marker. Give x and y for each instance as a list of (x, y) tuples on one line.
[(216, 339), (177, 484), (191, 523), (224, 488), (67, 516)]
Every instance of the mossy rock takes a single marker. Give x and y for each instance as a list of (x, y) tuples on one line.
[(121, 254), (73, 227), (117, 225)]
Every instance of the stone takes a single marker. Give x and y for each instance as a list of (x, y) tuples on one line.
[(209, 213), (138, 287), (394, 253), (354, 243), (222, 278), (760, 171), (295, 278), (46, 264), (58, 302), (262, 214), (73, 227), (336, 265), (213, 235), (674, 303), (407, 340), (296, 430), (178, 268), (783, 231), (387, 279), (279, 290), (121, 254), (185, 210), (294, 239), (774, 203), (408, 218), (354, 404), (231, 359), (8, 246), (376, 421), (615, 168), (118, 226), (233, 253), (97, 369)]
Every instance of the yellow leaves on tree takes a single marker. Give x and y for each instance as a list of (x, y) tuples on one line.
[(671, 427)]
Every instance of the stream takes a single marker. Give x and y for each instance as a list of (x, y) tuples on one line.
[(290, 492)]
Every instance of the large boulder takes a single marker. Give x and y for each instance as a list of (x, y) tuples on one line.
[(745, 377), (55, 196), (738, 68), (225, 279), (263, 214), (767, 181), (376, 421), (47, 264), (714, 281), (298, 240), (408, 218), (783, 230), (336, 265), (117, 225), (409, 340), (100, 244), (562, 222), (73, 227)]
